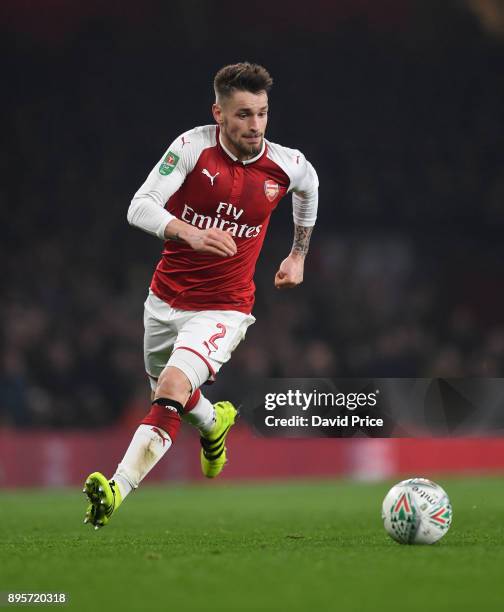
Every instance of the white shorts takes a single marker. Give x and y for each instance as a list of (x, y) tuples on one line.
[(212, 335)]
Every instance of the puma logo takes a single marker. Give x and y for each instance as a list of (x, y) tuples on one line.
[(212, 178), (160, 434)]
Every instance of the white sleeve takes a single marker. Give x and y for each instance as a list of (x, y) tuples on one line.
[(147, 209), (305, 195)]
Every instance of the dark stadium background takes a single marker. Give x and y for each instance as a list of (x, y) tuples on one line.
[(398, 104)]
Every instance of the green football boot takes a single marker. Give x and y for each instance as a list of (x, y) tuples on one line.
[(104, 497), (213, 451)]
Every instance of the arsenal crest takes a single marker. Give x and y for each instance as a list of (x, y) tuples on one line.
[(271, 190)]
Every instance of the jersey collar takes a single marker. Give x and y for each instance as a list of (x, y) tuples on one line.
[(234, 158)]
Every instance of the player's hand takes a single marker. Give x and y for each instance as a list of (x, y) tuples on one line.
[(290, 272), (212, 240)]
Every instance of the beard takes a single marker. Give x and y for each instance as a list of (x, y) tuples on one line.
[(250, 150), (243, 148)]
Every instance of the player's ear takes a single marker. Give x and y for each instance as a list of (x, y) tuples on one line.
[(217, 113)]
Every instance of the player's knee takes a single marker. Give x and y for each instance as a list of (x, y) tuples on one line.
[(195, 368), (173, 383)]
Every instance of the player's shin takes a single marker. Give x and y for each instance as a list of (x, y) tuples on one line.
[(150, 442), (199, 412)]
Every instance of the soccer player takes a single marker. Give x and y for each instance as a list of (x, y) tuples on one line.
[(209, 199)]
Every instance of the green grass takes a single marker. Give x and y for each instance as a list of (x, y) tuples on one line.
[(281, 546)]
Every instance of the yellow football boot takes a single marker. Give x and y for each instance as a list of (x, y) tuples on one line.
[(104, 497), (213, 451)]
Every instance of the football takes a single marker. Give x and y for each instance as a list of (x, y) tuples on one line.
[(416, 511)]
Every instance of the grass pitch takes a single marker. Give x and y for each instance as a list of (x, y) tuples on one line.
[(281, 546)]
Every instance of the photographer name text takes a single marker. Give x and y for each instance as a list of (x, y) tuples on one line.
[(317, 421)]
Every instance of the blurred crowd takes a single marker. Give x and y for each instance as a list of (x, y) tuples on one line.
[(403, 277)]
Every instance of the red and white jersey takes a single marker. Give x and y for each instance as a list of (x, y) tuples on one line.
[(202, 183)]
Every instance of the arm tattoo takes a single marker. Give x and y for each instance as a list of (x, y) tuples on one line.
[(301, 239)]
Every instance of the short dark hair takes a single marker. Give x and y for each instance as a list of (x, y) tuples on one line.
[(241, 77)]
